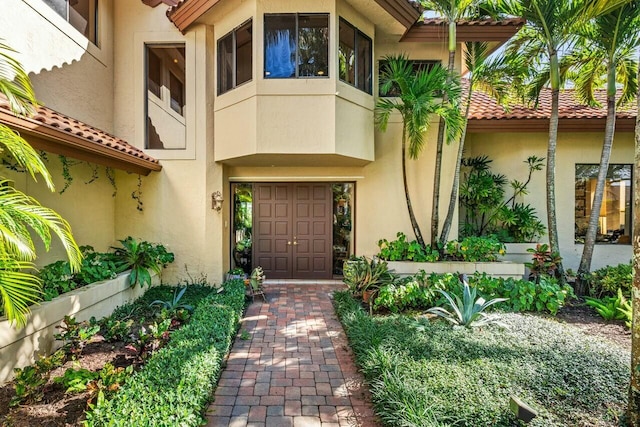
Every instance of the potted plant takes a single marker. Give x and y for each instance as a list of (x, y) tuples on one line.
[(365, 277)]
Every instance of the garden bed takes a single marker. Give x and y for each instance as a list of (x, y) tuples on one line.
[(181, 374), (20, 346), (429, 374)]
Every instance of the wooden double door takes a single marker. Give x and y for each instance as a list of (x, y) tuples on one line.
[(293, 230)]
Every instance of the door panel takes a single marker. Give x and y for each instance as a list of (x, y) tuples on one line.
[(293, 236)]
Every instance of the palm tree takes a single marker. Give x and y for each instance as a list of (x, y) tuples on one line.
[(633, 409), (550, 27), (606, 52), (20, 215), (418, 99), (452, 11), (485, 75)]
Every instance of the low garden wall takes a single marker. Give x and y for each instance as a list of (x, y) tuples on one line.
[(503, 269), (19, 347)]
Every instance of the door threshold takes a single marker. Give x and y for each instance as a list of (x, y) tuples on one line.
[(303, 282)]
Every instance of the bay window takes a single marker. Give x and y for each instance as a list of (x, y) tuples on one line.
[(354, 57), (235, 58)]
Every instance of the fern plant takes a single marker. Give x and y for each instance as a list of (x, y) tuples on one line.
[(468, 310)]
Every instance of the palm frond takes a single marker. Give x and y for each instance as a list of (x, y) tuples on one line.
[(15, 83), (18, 289), (25, 155)]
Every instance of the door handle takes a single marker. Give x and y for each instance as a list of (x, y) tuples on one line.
[(295, 243), (289, 243)]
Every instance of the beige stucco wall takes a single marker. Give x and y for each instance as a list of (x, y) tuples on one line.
[(509, 150), (68, 72), (177, 201), (73, 76)]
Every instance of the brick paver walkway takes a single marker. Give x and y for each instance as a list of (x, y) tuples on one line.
[(295, 370)]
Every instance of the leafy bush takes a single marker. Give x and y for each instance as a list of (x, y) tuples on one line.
[(476, 249), (429, 374), (361, 274), (141, 257), (421, 292), (606, 281), (176, 383), (403, 250), (543, 262), (613, 308)]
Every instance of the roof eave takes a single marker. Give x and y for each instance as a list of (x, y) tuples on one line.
[(586, 124), (437, 32), (56, 141)]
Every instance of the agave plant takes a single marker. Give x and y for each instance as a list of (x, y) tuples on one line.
[(174, 304), (467, 311)]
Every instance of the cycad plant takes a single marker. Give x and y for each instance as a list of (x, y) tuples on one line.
[(21, 216), (468, 310)]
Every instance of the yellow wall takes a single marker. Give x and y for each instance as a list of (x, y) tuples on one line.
[(509, 150)]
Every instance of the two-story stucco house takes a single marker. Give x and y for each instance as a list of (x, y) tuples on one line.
[(251, 122)]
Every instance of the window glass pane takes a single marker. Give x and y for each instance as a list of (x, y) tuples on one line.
[(364, 62), (81, 16), (176, 89), (225, 64), (346, 53), (244, 54), (280, 46), (166, 100), (614, 219), (313, 45), (154, 72)]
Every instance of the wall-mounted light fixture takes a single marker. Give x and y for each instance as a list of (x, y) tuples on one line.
[(216, 201)]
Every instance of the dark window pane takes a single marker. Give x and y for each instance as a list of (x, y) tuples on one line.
[(81, 14), (614, 218), (347, 53), (154, 72), (176, 89), (280, 46), (364, 62), (313, 45), (244, 54), (225, 64)]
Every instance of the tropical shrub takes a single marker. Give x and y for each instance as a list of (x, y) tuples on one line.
[(613, 308), (361, 274), (141, 257), (476, 249), (403, 250), (405, 295), (606, 281), (543, 262), (487, 211), (176, 384)]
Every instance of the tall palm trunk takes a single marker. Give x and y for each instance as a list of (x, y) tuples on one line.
[(633, 410), (551, 159), (453, 198), (590, 239), (412, 216), (437, 170)]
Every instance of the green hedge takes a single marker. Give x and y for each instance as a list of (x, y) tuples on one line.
[(176, 384)]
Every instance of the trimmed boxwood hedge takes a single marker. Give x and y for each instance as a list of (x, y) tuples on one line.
[(176, 384)]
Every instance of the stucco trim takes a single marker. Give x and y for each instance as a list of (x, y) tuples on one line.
[(58, 141), (542, 125)]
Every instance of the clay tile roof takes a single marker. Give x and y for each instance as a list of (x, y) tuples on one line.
[(484, 107), (55, 132), (486, 115)]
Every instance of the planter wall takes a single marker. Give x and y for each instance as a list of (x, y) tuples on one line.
[(503, 269), (20, 347)]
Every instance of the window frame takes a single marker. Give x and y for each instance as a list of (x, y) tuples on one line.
[(93, 22), (234, 53), (356, 34), (297, 57), (165, 99), (631, 207)]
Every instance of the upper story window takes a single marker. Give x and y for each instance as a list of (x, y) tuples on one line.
[(614, 218), (417, 64), (81, 14), (354, 55), (166, 103), (296, 45), (235, 58)]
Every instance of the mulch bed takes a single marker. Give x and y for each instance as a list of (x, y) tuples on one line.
[(59, 409), (588, 321)]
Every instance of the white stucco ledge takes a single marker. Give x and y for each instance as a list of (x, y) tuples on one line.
[(504, 269), (20, 347)]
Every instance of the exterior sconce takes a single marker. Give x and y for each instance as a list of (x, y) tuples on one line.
[(216, 201)]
